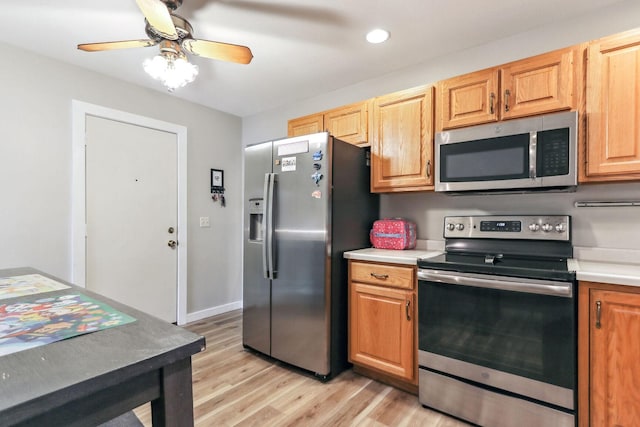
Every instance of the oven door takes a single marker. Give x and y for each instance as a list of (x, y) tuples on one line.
[(513, 334)]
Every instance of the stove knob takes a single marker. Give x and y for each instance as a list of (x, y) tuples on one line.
[(534, 227), (450, 227), (560, 228), (547, 227), (459, 227)]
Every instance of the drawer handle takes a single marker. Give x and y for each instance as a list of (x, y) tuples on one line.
[(406, 309), (598, 314), (380, 276), (492, 98)]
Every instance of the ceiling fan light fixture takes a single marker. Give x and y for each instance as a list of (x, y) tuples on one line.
[(377, 35), (173, 70)]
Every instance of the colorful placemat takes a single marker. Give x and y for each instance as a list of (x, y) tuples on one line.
[(35, 321), (28, 284)]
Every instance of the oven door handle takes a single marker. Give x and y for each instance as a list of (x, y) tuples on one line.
[(543, 287)]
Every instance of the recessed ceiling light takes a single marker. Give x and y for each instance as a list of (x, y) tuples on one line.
[(377, 36)]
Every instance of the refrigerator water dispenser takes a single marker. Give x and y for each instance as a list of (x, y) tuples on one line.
[(256, 215)]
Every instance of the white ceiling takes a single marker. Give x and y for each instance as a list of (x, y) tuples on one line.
[(301, 48)]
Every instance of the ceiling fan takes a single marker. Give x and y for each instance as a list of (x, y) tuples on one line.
[(164, 26), (173, 34)]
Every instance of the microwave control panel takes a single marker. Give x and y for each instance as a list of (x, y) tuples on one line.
[(553, 152)]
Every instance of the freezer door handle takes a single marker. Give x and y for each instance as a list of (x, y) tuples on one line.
[(265, 242), (268, 248)]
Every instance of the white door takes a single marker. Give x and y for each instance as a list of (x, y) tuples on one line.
[(131, 215)]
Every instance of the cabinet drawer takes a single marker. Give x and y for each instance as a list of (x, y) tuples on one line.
[(383, 274)]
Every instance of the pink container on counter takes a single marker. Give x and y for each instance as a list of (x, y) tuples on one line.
[(393, 233)]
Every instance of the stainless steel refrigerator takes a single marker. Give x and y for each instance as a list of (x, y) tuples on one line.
[(306, 202)]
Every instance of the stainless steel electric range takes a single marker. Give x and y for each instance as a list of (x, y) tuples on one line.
[(497, 319)]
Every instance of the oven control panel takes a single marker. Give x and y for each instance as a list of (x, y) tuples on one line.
[(534, 227)]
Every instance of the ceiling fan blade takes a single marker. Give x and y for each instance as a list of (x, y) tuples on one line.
[(125, 44), (159, 18), (217, 50)]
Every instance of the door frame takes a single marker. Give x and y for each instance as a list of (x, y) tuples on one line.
[(82, 109)]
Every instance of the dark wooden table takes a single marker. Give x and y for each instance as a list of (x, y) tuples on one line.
[(92, 378)]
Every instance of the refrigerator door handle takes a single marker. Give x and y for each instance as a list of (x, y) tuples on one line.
[(271, 256), (265, 226)]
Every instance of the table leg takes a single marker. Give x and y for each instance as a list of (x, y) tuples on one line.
[(174, 407)]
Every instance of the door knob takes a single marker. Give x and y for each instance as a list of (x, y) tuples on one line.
[(172, 244)]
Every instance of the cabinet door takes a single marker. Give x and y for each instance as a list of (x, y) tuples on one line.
[(349, 123), (305, 125), (469, 99), (613, 107), (541, 84), (402, 141), (615, 347), (381, 329)]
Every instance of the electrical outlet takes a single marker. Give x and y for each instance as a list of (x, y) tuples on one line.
[(204, 221)]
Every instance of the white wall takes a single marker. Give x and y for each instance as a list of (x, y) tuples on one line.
[(603, 227), (35, 171)]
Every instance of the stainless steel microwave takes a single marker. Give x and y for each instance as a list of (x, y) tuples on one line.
[(529, 154)]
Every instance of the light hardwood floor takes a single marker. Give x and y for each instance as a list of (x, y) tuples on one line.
[(235, 387)]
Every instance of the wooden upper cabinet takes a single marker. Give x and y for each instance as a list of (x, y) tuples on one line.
[(349, 123), (402, 141), (305, 125), (613, 108), (468, 100), (540, 84)]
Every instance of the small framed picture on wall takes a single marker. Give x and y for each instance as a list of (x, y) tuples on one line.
[(217, 180)]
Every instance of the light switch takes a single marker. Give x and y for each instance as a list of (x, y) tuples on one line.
[(204, 221)]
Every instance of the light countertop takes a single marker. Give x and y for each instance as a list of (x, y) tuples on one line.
[(409, 256), (424, 249), (615, 266), (606, 272)]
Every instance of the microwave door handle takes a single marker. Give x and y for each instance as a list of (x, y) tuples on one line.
[(533, 147)]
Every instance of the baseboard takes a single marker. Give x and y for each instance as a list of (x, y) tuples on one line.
[(202, 314)]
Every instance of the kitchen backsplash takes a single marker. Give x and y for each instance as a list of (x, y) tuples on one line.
[(601, 227)]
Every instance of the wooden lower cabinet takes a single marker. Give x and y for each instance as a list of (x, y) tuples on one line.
[(609, 347), (382, 326)]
